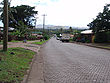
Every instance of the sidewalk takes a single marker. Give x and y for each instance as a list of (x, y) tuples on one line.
[(35, 72)]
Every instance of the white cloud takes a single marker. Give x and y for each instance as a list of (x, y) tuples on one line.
[(66, 12), (72, 12)]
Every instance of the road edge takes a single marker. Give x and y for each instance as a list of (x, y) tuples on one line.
[(26, 77), (90, 45)]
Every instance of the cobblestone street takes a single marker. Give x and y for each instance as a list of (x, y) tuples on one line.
[(73, 63)]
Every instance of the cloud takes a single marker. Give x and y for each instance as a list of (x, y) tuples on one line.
[(66, 12), (72, 12)]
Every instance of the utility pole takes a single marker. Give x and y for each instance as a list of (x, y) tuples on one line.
[(5, 30), (44, 22)]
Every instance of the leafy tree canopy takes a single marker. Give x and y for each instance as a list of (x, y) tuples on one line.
[(22, 13), (102, 21)]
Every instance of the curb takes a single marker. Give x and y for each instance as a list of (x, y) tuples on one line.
[(25, 79), (101, 47)]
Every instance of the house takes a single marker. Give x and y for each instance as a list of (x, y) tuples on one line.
[(87, 36), (38, 35)]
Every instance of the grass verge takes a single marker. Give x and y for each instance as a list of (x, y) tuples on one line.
[(104, 47), (40, 43), (1, 43), (14, 63), (15, 41)]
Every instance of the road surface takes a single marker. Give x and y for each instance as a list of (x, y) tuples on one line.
[(73, 63)]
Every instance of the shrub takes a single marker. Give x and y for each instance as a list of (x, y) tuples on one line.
[(108, 36), (32, 37), (46, 37), (100, 37)]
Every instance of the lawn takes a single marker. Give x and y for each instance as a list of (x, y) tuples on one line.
[(39, 43), (15, 41), (14, 63), (1, 43)]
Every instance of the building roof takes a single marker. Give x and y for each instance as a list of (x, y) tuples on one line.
[(87, 32)]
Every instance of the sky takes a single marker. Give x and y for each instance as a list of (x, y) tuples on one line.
[(77, 13)]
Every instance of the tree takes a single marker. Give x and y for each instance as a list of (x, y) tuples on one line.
[(22, 29), (101, 25), (61, 30), (102, 21), (22, 13), (70, 29)]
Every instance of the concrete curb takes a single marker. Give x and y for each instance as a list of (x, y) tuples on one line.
[(101, 47), (25, 79), (96, 46)]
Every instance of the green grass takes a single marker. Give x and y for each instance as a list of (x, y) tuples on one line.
[(15, 41), (13, 66), (1, 43), (104, 47), (39, 43)]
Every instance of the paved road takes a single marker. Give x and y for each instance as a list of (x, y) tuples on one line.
[(73, 63)]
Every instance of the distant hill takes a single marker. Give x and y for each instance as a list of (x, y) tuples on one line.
[(59, 27)]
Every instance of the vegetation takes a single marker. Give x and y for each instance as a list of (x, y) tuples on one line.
[(21, 30), (71, 30), (22, 13), (101, 25), (102, 21), (1, 43), (13, 64), (46, 36), (15, 41), (21, 18), (40, 43)]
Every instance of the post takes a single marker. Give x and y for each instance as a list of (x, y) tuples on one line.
[(44, 23), (5, 30)]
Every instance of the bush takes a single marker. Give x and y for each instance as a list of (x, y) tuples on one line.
[(71, 39), (100, 37), (32, 37), (77, 38), (74, 38), (88, 41), (108, 36), (46, 37)]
